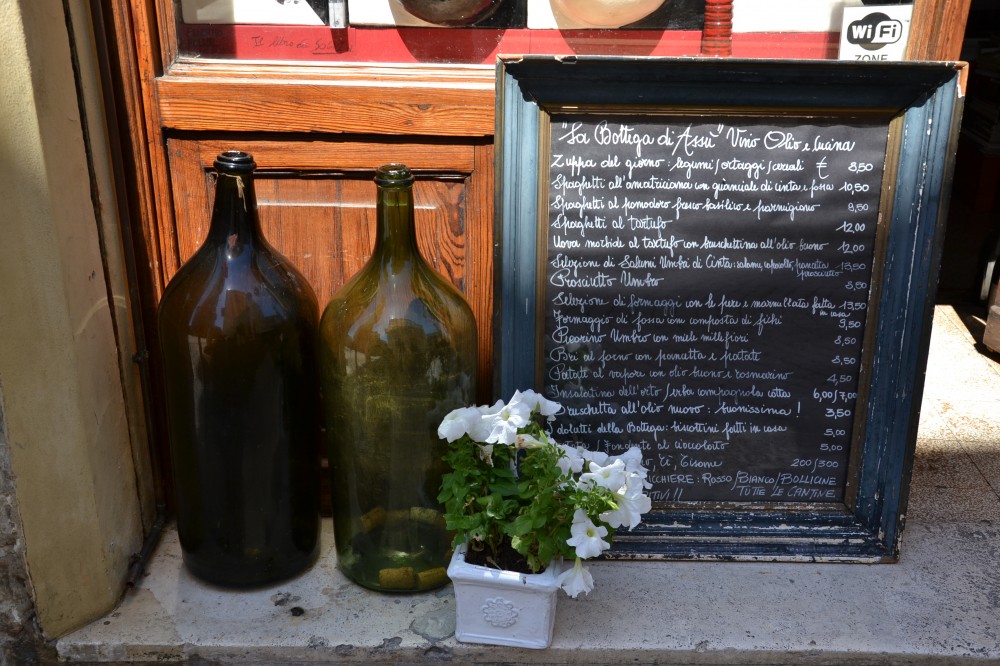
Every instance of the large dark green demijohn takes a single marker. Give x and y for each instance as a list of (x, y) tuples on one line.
[(238, 334), (398, 352)]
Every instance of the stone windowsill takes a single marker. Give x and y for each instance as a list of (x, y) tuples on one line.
[(942, 600)]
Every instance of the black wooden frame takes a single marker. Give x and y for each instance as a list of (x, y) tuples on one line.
[(923, 102)]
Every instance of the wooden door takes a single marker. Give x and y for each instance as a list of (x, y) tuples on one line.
[(317, 206)]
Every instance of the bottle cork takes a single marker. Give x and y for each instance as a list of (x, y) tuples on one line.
[(423, 514), (398, 578), (432, 578), (373, 520)]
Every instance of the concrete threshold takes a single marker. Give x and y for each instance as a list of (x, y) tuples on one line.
[(939, 604)]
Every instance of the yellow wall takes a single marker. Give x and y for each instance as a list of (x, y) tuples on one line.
[(60, 382)]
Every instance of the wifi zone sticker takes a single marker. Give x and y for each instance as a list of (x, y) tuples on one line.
[(875, 35), (874, 31)]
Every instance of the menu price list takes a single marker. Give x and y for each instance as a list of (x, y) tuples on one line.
[(706, 296)]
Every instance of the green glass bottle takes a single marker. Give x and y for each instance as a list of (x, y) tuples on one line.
[(397, 352), (238, 333)]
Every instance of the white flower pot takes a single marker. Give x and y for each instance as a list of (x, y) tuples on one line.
[(503, 607)]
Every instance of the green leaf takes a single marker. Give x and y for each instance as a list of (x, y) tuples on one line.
[(522, 525)]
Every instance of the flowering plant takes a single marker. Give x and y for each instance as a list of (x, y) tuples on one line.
[(514, 491)]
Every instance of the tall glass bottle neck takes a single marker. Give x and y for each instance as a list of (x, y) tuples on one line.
[(234, 215), (395, 235)]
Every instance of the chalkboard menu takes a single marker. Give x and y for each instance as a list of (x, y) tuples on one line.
[(730, 264), (706, 294)]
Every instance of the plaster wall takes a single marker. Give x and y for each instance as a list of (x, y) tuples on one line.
[(60, 382)]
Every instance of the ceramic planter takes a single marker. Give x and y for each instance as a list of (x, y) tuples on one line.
[(503, 607)]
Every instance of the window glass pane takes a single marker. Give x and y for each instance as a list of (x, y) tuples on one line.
[(476, 31)]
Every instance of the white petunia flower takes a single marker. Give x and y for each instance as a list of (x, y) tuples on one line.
[(505, 422), (633, 460), (571, 462), (633, 465), (611, 476), (537, 401), (588, 538), (599, 457), (479, 428), (458, 422), (576, 580), (632, 503)]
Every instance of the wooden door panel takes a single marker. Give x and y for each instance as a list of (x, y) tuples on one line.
[(317, 207), (325, 226)]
